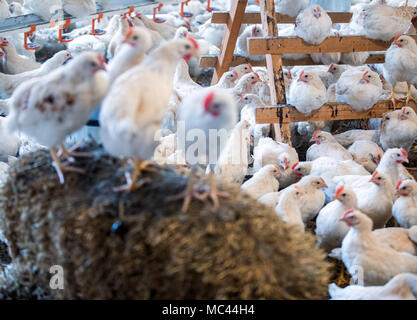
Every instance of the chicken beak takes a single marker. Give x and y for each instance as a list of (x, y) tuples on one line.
[(374, 181), (313, 139), (324, 185), (337, 197), (317, 14)]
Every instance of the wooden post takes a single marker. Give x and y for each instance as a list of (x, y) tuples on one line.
[(274, 66), (227, 48)]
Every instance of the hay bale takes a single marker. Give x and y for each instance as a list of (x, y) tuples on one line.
[(137, 246)]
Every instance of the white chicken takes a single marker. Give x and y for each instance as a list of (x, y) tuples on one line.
[(254, 31), (400, 239), (400, 63), (384, 22), (53, 106), (201, 114), (263, 181), (360, 90), (399, 129), (366, 153), (133, 110), (330, 230), (288, 208), (232, 165), (326, 146), (402, 287), (375, 196), (118, 37), (268, 151), (9, 82), (307, 93), (404, 209), (290, 7), (313, 25), (379, 262), (16, 63), (136, 43), (79, 8), (311, 201)]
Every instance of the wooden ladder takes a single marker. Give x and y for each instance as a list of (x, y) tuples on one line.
[(280, 115)]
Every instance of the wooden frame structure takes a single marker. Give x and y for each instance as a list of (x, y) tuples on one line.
[(280, 114)]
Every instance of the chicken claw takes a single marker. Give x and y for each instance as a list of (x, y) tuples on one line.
[(193, 192), (132, 182), (70, 154), (409, 95), (61, 167), (341, 280), (393, 99)]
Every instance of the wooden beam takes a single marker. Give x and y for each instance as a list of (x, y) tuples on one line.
[(230, 36), (330, 111), (209, 61), (274, 67), (255, 17), (285, 45)]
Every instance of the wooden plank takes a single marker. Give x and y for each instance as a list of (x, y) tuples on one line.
[(285, 45), (230, 36), (255, 17), (209, 61), (274, 66), (330, 111)]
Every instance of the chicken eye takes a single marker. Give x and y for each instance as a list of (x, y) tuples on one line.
[(379, 178), (407, 112), (317, 182), (93, 64), (343, 194), (398, 155), (135, 37), (297, 193), (187, 46)]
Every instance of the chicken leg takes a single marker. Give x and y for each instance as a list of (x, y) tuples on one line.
[(71, 154), (193, 192), (341, 280), (392, 98), (131, 180), (61, 167), (409, 95)]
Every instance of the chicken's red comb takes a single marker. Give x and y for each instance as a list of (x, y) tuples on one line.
[(404, 152), (250, 67), (301, 74), (322, 180), (374, 174), (207, 101), (316, 133), (242, 97), (338, 191), (129, 33), (294, 165), (348, 212), (276, 166), (403, 110), (193, 41), (236, 74), (297, 187), (257, 75), (398, 185), (397, 37), (331, 66), (365, 73), (101, 60)]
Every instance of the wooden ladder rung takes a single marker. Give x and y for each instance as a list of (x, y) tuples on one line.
[(255, 17)]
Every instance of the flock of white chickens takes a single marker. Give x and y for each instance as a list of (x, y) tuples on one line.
[(141, 75)]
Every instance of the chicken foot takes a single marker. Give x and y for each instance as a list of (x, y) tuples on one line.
[(393, 98), (60, 167), (191, 192), (132, 182), (341, 280), (71, 154), (198, 193)]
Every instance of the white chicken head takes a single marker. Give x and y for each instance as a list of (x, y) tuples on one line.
[(380, 179), (321, 137), (408, 113), (3, 42), (346, 196), (296, 193), (309, 78), (87, 63), (250, 79), (354, 218), (300, 169), (256, 31), (316, 11), (403, 41), (243, 69), (138, 37), (231, 76), (316, 182), (396, 154), (283, 161), (217, 104), (251, 99), (186, 48), (406, 188), (371, 77), (272, 170)]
